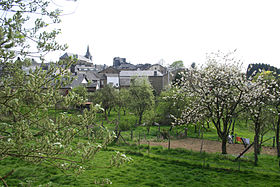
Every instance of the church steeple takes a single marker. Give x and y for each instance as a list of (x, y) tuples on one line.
[(88, 55)]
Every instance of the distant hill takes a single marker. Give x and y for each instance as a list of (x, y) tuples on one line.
[(253, 69)]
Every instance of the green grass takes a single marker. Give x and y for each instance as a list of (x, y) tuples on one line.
[(241, 129), (160, 168), (156, 166)]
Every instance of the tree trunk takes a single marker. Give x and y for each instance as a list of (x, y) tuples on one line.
[(140, 118), (277, 135), (105, 114), (232, 129), (109, 111), (256, 142), (224, 145)]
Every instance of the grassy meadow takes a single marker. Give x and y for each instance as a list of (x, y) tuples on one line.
[(152, 166)]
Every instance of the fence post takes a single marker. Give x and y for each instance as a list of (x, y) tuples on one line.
[(235, 135), (139, 142), (168, 140), (131, 134), (148, 147), (273, 143), (186, 132), (139, 138)]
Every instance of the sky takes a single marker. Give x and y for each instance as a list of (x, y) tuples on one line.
[(153, 31)]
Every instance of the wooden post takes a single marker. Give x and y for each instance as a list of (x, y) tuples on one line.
[(273, 143), (139, 142), (139, 138), (149, 148), (168, 140), (186, 132), (244, 151), (235, 135), (131, 134)]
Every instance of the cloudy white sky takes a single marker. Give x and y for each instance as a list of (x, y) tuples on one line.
[(146, 31)]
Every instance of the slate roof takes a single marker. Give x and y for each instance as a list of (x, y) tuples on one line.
[(127, 66), (79, 57), (111, 75), (139, 73), (92, 75), (79, 78)]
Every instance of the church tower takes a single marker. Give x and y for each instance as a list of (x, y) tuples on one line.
[(88, 55)]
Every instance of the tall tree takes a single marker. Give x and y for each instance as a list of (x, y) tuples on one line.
[(177, 65), (215, 92), (142, 98)]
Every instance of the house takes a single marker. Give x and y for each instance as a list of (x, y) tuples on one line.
[(88, 80), (156, 78), (158, 67), (111, 76)]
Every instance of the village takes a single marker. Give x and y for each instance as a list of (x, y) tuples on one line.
[(119, 75)]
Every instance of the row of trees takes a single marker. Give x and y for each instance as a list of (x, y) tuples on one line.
[(138, 98), (219, 92)]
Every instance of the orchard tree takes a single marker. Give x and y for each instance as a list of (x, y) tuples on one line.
[(81, 91), (272, 83), (215, 92), (257, 101), (122, 100), (142, 98), (27, 130), (107, 97)]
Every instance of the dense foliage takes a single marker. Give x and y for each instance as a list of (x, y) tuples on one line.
[(253, 69)]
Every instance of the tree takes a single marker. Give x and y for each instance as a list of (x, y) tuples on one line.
[(81, 91), (258, 97), (107, 96), (272, 82), (142, 98), (214, 92), (123, 97), (177, 65), (168, 105), (27, 129)]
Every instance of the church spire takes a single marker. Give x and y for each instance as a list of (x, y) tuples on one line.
[(88, 55)]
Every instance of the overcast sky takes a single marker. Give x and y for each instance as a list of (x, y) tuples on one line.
[(146, 31)]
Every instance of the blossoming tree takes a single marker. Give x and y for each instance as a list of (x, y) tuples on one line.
[(216, 91)]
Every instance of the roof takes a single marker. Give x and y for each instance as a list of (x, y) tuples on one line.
[(92, 75), (112, 75), (110, 69), (79, 57), (139, 73), (79, 80), (127, 66)]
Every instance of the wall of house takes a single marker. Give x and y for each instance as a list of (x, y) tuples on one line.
[(113, 80), (157, 83)]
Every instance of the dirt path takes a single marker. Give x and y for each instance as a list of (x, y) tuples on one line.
[(210, 146)]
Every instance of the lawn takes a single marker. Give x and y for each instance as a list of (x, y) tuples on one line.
[(158, 168), (151, 166)]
